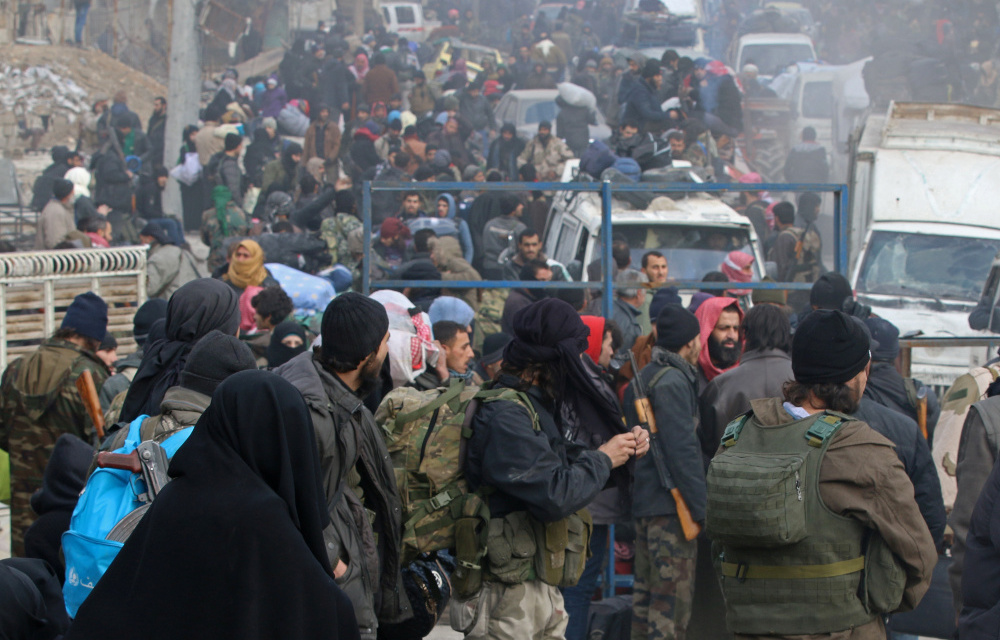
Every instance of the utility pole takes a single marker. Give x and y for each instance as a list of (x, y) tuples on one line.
[(359, 17), (183, 89)]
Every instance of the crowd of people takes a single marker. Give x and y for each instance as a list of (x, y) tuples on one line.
[(284, 515), (547, 448)]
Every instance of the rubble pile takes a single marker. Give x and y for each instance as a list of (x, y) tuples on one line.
[(40, 91)]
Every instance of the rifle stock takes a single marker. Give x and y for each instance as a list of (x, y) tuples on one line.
[(647, 420), (88, 393)]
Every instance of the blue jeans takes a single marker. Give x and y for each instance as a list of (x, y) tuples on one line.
[(577, 599), (81, 21)]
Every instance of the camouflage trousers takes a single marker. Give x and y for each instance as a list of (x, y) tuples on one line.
[(664, 579), (531, 609)]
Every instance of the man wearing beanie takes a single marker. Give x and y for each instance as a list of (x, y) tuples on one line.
[(55, 221), (664, 560), (39, 402), (539, 481), (224, 168), (811, 510), (363, 540), (152, 310), (885, 384), (213, 359), (641, 103)]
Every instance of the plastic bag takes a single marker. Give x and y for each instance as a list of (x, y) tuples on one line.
[(576, 95), (188, 171)]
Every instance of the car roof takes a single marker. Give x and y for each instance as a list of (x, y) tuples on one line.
[(537, 94), (776, 38)]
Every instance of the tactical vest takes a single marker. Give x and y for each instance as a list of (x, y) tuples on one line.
[(789, 565)]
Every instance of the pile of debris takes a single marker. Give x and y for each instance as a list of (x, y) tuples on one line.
[(40, 91)]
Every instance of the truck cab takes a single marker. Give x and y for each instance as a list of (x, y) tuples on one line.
[(925, 182), (407, 19), (694, 232), (773, 52)]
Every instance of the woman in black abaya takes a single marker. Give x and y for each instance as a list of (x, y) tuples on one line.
[(192, 311), (233, 546)]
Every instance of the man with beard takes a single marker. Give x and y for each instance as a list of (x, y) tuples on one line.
[(720, 320), (363, 539), (859, 549), (535, 271), (630, 298)]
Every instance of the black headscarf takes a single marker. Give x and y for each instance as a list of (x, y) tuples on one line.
[(31, 606), (277, 353), (551, 332), (233, 546), (192, 311)]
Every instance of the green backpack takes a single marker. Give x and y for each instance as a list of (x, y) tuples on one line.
[(425, 434)]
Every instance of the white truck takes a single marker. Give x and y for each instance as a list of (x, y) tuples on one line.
[(925, 182), (693, 231)]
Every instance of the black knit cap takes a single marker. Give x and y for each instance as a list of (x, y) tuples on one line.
[(353, 328), (829, 347), (886, 336), (830, 291), (650, 69), (151, 310), (213, 359), (493, 346), (675, 327), (87, 315)]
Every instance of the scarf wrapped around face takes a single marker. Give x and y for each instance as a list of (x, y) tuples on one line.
[(551, 332), (246, 273)]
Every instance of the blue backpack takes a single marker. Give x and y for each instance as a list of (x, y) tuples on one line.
[(113, 501)]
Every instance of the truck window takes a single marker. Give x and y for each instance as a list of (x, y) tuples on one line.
[(566, 239), (405, 15), (691, 251), (925, 265), (817, 100), (538, 111), (772, 59)]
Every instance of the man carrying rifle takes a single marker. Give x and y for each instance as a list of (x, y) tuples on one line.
[(39, 402), (669, 487)]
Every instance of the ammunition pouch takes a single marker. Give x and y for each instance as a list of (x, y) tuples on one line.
[(563, 549), (511, 548), (471, 529)]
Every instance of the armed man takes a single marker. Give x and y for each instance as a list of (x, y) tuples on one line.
[(811, 511), (536, 480), (669, 487)]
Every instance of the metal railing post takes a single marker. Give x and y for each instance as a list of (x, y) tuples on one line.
[(366, 222), (841, 231), (607, 268)]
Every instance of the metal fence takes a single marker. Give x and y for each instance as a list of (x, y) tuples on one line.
[(36, 287), (607, 191)]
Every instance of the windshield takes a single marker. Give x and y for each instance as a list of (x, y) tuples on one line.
[(926, 265), (772, 59), (538, 111), (691, 251)]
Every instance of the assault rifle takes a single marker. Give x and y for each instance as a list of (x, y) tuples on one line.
[(648, 421)]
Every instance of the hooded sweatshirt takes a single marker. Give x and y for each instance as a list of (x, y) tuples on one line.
[(450, 225), (708, 314), (448, 258)]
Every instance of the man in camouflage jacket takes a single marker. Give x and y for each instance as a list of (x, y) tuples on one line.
[(39, 402)]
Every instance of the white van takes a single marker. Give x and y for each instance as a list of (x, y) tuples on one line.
[(773, 52), (924, 189), (407, 19), (695, 232)]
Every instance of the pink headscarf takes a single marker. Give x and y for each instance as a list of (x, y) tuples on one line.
[(733, 267), (248, 323), (360, 66)]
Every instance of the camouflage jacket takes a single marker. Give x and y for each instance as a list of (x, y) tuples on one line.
[(335, 232), (38, 403), (548, 158)]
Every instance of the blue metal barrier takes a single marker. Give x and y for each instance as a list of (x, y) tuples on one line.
[(606, 190)]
